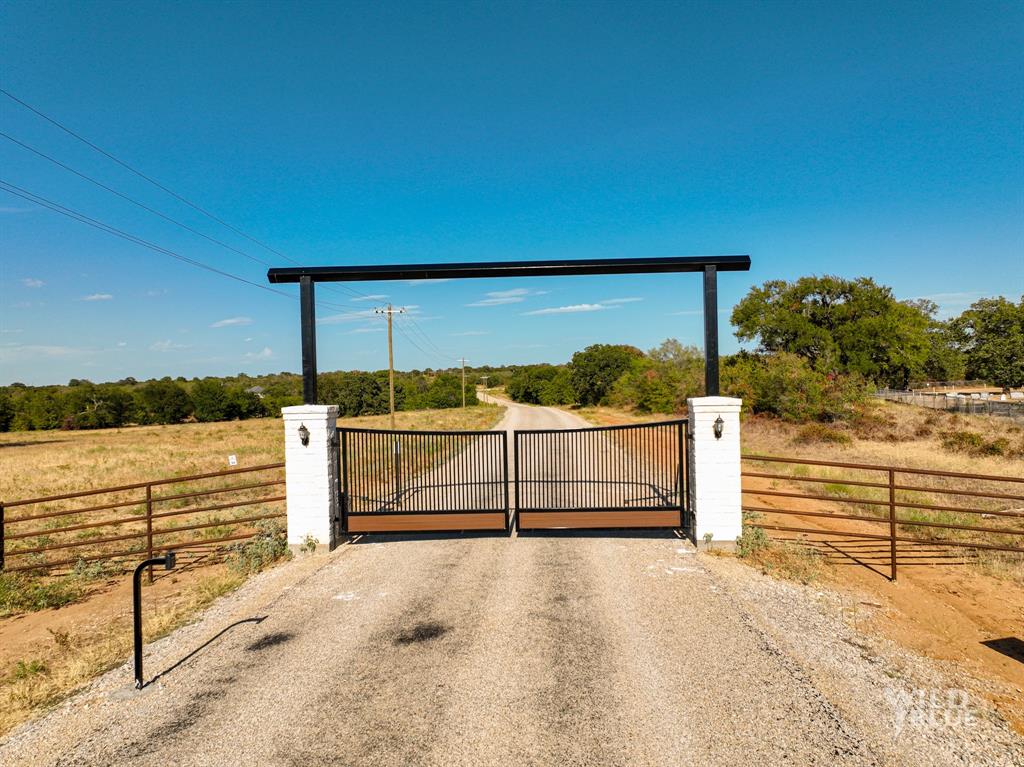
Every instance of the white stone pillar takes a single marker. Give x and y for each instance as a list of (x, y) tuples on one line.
[(310, 473), (714, 470)]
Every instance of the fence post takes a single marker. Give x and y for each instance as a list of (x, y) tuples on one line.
[(149, 528), (1, 536), (892, 525)]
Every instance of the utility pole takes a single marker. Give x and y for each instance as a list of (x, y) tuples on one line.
[(389, 312), (463, 361)]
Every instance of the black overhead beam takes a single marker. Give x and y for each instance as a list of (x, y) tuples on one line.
[(709, 266), (482, 269)]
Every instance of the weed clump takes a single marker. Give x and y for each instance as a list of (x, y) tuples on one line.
[(20, 593), (266, 547), (791, 561)]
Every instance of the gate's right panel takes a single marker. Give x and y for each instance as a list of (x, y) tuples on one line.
[(604, 477)]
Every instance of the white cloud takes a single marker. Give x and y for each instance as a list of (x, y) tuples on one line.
[(425, 282), (11, 352), (98, 297), (630, 300), (502, 297), (470, 333), (686, 313), (122, 344), (265, 354), (167, 346), (231, 322), (32, 282), (248, 339), (10, 331), (376, 297), (571, 309), (11, 210), (371, 329)]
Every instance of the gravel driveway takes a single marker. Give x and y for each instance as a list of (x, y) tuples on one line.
[(577, 649)]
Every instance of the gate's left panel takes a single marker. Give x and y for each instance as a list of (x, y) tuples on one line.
[(423, 481)]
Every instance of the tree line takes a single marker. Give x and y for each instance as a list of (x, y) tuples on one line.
[(822, 343), (83, 404)]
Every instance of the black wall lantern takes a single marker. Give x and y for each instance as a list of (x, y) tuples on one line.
[(303, 435), (718, 425)]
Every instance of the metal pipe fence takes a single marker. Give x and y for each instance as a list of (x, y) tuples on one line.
[(869, 502), (967, 405), (46, 536)]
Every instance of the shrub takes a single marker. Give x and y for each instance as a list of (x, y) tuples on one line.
[(752, 541), (974, 444), (266, 547), (820, 432), (786, 386)]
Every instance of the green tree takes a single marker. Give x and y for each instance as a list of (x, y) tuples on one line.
[(210, 398), (355, 393), (991, 336), (162, 401), (595, 370), (6, 412), (838, 326), (244, 404), (88, 406), (528, 383), (558, 390), (446, 391)]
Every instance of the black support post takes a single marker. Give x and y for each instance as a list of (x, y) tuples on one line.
[(307, 307), (711, 331)]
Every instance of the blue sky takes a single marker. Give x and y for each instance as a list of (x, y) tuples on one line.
[(857, 139)]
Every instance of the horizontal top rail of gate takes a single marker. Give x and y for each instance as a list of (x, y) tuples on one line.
[(681, 422), (85, 533), (857, 495), (423, 432)]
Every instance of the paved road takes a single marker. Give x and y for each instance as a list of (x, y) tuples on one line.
[(541, 650)]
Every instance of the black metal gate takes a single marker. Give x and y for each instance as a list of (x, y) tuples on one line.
[(423, 481), (604, 477)]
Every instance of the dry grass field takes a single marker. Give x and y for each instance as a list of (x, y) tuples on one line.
[(46, 654), (41, 463)]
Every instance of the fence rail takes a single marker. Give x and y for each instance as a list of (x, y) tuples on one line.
[(976, 405), (46, 536), (884, 509)]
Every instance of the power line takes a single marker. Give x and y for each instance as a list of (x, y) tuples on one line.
[(133, 201), (97, 224), (157, 184), (409, 338), (422, 333)]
